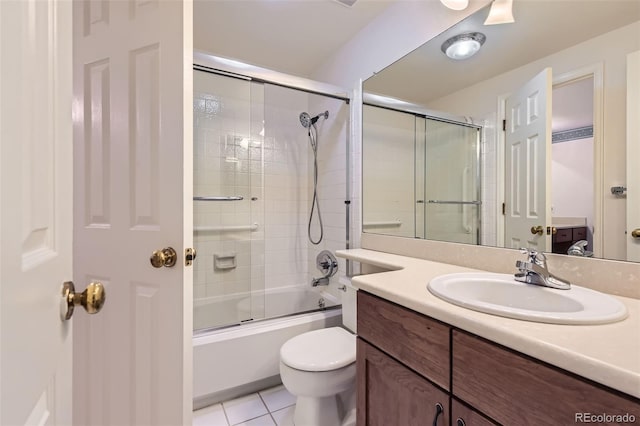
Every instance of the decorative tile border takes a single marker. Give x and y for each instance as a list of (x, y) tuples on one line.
[(572, 134)]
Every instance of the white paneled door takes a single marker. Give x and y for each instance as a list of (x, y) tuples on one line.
[(132, 145), (95, 147), (633, 153), (36, 178), (527, 165)]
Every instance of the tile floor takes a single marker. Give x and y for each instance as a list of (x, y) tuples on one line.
[(268, 407)]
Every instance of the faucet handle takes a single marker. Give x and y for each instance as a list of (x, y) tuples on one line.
[(532, 254), (535, 256)]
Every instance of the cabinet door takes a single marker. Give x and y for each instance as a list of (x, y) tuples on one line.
[(421, 343), (391, 394)]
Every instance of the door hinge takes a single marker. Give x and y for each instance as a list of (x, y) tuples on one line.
[(504, 209), (189, 256), (504, 125)]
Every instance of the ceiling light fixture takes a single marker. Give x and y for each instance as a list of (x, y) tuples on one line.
[(501, 13), (463, 46), (455, 4)]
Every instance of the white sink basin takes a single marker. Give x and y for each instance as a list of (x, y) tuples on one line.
[(501, 294)]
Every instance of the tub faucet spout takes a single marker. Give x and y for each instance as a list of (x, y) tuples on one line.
[(320, 281)]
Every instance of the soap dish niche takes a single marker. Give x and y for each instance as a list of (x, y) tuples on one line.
[(224, 262)]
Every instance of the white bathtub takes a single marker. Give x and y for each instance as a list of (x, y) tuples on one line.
[(245, 358)]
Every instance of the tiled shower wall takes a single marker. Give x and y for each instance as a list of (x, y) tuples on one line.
[(286, 195), (249, 142), (332, 184)]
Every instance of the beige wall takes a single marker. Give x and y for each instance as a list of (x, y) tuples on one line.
[(610, 49)]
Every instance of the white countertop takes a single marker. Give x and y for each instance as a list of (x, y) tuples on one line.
[(608, 354)]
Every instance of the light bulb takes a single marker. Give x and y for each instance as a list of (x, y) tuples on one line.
[(463, 46)]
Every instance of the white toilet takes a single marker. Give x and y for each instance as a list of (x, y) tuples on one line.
[(319, 369)]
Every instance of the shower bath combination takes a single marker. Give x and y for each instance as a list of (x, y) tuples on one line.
[(309, 123)]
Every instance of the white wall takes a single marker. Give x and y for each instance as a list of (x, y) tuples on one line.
[(572, 180)]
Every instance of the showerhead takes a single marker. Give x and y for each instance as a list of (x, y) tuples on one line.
[(307, 121)]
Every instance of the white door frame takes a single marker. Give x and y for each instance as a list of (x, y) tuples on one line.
[(633, 151), (595, 71)]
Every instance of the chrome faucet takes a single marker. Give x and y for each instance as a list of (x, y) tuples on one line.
[(327, 263), (534, 271), (580, 249)]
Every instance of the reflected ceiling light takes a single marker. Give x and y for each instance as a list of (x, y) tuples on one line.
[(455, 4), (501, 12), (463, 46)]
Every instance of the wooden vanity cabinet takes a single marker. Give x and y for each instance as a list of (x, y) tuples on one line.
[(408, 362)]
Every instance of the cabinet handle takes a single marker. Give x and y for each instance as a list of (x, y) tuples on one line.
[(460, 422), (439, 410)]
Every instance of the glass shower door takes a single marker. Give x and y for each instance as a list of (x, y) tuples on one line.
[(228, 123), (452, 182)]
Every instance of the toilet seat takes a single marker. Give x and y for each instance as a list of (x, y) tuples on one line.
[(320, 350)]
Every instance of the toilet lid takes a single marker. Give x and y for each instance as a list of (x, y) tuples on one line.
[(320, 350)]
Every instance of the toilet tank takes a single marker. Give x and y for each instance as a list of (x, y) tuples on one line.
[(349, 301)]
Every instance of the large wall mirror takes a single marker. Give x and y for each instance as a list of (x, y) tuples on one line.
[(524, 144)]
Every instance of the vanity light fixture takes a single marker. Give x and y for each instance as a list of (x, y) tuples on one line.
[(501, 13), (463, 46), (455, 4)]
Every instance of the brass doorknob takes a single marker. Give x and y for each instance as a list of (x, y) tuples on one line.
[(537, 230), (635, 233), (166, 257), (91, 299)]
